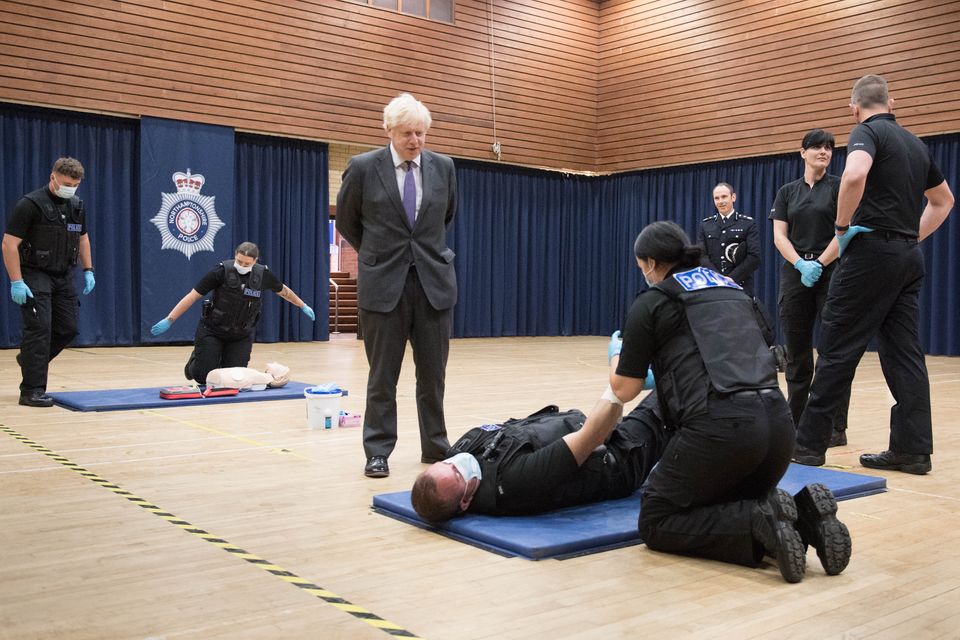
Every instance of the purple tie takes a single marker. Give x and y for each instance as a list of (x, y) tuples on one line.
[(410, 194)]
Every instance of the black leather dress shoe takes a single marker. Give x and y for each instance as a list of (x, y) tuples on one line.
[(809, 457), (915, 463), (818, 526), (377, 467), (36, 399)]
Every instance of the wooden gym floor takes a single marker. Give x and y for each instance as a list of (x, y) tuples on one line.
[(239, 522)]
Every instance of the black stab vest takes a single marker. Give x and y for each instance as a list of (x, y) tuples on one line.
[(53, 245), (719, 350), (236, 307), (494, 446)]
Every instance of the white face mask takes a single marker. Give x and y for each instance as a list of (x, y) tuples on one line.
[(242, 270), (647, 273), (65, 191), (466, 464)]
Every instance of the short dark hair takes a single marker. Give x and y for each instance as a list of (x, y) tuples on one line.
[(248, 249), (665, 241), (428, 503), (817, 138), (723, 184), (870, 91), (69, 167)]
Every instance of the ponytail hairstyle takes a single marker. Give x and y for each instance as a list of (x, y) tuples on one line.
[(667, 242)]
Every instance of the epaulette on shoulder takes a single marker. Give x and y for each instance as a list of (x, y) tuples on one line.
[(709, 218), (746, 217)]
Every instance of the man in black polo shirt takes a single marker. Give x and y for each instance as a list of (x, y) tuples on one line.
[(876, 288), (803, 216)]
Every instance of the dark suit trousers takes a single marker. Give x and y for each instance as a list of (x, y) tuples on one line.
[(385, 338), (875, 291)]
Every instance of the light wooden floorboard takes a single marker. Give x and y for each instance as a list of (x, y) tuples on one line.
[(80, 561)]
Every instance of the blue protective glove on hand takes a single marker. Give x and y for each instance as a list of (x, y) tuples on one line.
[(89, 282), (810, 271), (160, 327), (845, 239), (19, 291), (649, 382), (309, 312), (614, 346)]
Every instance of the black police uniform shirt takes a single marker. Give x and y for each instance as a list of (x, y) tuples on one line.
[(892, 199), (26, 214), (653, 320), (530, 479), (810, 213)]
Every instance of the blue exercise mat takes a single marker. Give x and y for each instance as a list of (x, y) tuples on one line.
[(590, 528), (149, 398)]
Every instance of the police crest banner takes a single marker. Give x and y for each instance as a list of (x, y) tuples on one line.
[(186, 216)]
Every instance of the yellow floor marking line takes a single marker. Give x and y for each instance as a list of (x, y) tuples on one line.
[(257, 443), (316, 591)]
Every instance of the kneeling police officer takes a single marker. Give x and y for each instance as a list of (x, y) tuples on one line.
[(225, 334)]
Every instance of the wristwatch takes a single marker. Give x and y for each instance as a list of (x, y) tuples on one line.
[(838, 227)]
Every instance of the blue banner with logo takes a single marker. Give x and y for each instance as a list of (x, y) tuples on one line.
[(186, 216)]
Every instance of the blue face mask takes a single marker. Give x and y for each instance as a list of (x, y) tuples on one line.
[(242, 270), (467, 465)]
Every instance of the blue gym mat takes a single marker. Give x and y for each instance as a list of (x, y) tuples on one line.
[(149, 398), (591, 528)]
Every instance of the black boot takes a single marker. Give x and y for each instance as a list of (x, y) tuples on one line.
[(773, 528), (819, 527)]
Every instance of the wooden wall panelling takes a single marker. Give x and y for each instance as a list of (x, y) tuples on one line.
[(582, 85), (315, 69), (748, 78)]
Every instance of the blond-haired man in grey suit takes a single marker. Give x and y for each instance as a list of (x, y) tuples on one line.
[(394, 207)]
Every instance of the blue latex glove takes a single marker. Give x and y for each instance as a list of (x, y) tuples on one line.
[(810, 271), (614, 346), (649, 382), (160, 327), (845, 239), (89, 282), (309, 312), (19, 291)]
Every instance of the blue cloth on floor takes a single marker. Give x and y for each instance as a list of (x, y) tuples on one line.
[(149, 398), (591, 528)]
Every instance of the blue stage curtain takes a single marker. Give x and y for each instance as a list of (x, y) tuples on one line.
[(518, 251), (282, 206), (543, 253), (939, 303), (31, 139)]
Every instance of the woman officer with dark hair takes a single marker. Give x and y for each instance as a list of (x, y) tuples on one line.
[(803, 215), (714, 494)]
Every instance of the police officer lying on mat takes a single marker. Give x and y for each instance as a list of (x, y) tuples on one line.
[(547, 461), (224, 336), (714, 492)]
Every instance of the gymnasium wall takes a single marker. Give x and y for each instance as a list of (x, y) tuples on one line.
[(577, 85)]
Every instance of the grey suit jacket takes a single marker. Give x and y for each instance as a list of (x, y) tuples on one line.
[(370, 216)]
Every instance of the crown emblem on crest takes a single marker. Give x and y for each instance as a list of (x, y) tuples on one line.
[(187, 182), (187, 221)]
